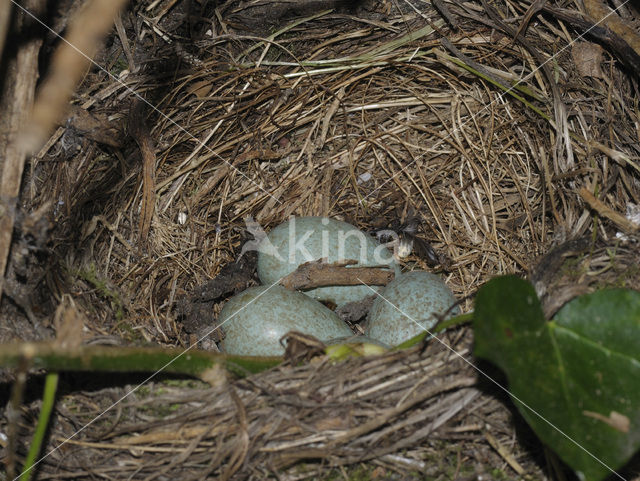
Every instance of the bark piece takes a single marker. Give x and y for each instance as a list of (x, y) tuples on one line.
[(196, 311), (320, 274)]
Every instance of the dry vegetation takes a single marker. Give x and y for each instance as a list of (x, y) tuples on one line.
[(373, 113)]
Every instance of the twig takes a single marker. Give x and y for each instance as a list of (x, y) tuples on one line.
[(319, 273), (68, 66), (140, 132), (506, 455), (17, 99), (5, 16), (604, 210), (612, 40)]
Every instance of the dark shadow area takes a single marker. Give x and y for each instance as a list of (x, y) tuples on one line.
[(525, 435), (90, 382)]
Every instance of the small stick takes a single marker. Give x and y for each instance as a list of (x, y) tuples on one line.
[(139, 130), (604, 210), (319, 274)]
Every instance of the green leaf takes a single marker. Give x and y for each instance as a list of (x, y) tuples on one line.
[(576, 379)]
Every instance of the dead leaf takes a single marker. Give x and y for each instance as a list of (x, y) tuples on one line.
[(68, 323), (588, 57), (200, 89), (95, 126), (215, 376)]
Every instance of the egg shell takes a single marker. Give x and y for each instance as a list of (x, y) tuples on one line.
[(255, 320), (305, 239), (416, 296)]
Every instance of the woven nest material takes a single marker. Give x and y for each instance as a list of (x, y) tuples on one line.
[(377, 409), (584, 265), (393, 130), (379, 115)]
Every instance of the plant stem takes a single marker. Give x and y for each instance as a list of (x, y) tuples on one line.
[(48, 399)]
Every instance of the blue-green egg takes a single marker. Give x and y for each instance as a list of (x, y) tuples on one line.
[(255, 320), (305, 239), (407, 306)]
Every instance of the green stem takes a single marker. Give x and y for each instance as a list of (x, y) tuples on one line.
[(454, 321), (192, 362), (48, 399), (509, 90)]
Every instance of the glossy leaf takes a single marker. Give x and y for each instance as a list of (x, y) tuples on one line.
[(576, 379)]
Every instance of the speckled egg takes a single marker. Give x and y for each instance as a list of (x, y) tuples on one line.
[(305, 239), (255, 320), (416, 296)]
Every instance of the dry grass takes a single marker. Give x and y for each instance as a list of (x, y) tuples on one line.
[(360, 411), (361, 115)]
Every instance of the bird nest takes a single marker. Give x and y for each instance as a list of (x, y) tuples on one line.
[(499, 132), (395, 412)]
